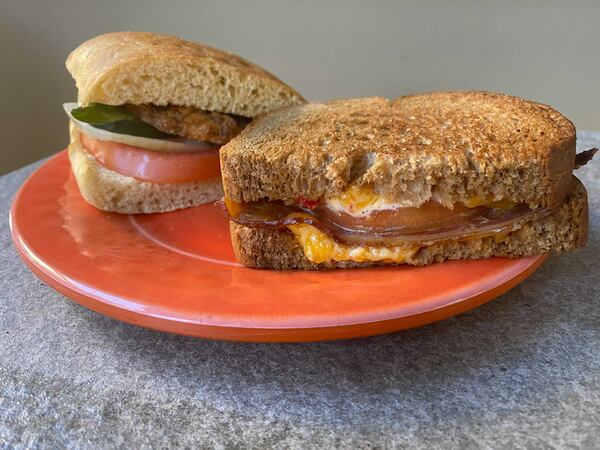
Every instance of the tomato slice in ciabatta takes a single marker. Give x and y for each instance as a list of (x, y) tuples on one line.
[(153, 166)]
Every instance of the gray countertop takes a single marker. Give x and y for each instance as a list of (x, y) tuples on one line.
[(520, 371)]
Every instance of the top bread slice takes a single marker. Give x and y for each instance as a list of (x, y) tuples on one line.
[(452, 146), (148, 68)]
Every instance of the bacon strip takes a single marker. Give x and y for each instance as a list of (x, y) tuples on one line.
[(277, 215), (581, 159)]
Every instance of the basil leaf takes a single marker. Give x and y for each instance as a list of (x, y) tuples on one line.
[(133, 128), (97, 114)]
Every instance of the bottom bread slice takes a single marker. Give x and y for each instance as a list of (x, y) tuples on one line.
[(564, 230), (110, 191)]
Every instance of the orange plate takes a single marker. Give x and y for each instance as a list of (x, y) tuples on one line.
[(176, 272)]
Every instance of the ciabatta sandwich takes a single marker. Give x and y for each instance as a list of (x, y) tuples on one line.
[(152, 113), (419, 179)]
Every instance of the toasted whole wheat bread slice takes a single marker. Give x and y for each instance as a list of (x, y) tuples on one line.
[(566, 229), (454, 145), (150, 68)]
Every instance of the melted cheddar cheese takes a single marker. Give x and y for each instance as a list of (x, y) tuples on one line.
[(318, 247), (490, 202), (360, 201)]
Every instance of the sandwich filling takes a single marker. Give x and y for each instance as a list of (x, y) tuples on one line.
[(190, 122), (157, 144), (359, 225)]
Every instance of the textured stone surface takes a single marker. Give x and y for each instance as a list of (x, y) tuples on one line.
[(521, 371)]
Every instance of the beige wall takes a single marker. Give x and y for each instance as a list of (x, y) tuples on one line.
[(543, 50)]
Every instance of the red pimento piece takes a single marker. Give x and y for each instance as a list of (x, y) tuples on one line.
[(307, 203)]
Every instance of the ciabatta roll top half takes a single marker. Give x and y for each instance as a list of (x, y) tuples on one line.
[(148, 68)]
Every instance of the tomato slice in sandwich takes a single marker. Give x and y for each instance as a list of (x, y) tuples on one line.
[(154, 166)]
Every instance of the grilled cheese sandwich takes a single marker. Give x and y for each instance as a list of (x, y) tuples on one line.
[(369, 181)]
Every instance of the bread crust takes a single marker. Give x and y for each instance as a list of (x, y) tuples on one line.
[(454, 145), (150, 68), (110, 191), (564, 230)]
